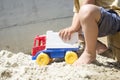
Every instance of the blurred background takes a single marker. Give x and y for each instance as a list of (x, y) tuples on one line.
[(22, 20)]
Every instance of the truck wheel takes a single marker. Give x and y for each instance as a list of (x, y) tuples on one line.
[(43, 59), (71, 57)]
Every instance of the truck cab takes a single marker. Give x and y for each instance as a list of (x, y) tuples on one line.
[(39, 44)]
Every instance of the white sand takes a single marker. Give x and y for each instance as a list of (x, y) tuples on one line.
[(19, 66)]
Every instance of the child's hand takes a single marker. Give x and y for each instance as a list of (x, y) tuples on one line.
[(65, 34)]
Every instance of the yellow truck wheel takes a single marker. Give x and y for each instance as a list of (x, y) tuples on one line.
[(71, 57), (43, 59)]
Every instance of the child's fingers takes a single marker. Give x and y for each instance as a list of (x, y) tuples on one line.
[(61, 33), (65, 35), (69, 36)]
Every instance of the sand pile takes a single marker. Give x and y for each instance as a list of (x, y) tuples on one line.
[(19, 66)]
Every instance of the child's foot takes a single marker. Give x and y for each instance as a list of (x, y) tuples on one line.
[(85, 58), (100, 47)]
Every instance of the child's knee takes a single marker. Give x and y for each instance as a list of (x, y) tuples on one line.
[(89, 12)]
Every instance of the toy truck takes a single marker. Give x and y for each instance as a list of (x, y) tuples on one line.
[(49, 46)]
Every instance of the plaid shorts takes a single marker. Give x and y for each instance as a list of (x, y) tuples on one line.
[(109, 22)]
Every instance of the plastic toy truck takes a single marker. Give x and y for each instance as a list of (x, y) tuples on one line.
[(49, 46)]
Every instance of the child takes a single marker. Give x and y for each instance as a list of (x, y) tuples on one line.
[(95, 18)]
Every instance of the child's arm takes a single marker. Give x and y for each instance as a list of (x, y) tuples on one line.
[(65, 34), (76, 22)]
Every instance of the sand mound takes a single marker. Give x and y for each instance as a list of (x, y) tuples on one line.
[(19, 66)]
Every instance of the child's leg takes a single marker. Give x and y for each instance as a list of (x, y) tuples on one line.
[(89, 16), (100, 47)]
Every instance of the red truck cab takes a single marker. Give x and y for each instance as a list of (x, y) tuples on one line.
[(39, 44)]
